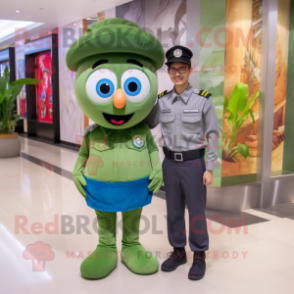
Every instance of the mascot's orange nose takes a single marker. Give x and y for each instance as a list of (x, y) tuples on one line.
[(119, 99)]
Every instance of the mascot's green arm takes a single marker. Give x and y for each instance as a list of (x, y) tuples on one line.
[(156, 175), (152, 119), (77, 174)]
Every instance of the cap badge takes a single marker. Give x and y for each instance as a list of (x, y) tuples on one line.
[(178, 53), (138, 141)]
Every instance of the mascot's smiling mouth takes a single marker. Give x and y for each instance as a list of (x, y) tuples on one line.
[(117, 119)]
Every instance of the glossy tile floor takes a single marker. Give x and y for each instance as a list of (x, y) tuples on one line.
[(39, 202)]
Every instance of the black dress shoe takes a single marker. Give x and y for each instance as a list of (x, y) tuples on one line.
[(197, 271), (176, 258)]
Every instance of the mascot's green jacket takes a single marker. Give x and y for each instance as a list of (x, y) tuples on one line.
[(118, 166)]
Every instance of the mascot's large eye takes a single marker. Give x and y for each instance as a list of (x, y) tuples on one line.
[(101, 85), (136, 85)]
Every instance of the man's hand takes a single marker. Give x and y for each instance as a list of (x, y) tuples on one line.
[(208, 177)]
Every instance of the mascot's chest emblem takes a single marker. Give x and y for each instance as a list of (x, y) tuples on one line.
[(138, 141)]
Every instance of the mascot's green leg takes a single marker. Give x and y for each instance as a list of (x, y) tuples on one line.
[(133, 254), (104, 259)]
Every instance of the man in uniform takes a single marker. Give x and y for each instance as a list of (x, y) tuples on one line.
[(186, 114)]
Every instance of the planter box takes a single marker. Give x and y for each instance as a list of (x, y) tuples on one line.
[(9, 145), (230, 168)]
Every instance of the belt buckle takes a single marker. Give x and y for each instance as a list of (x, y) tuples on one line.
[(175, 156)]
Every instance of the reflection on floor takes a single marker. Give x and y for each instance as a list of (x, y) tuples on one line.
[(280, 210), (251, 251)]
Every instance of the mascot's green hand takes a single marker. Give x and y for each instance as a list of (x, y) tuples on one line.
[(80, 181), (77, 174), (156, 176)]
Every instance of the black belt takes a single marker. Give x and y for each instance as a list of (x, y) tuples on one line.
[(184, 155)]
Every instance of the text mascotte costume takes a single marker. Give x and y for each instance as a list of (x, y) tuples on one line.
[(118, 166)]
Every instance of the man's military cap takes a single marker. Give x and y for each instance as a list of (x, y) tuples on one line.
[(178, 54), (115, 35)]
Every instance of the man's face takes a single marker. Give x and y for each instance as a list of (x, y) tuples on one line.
[(179, 73)]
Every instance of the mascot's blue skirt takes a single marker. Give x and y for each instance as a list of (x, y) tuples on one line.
[(118, 196)]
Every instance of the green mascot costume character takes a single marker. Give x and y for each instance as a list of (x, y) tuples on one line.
[(118, 166)]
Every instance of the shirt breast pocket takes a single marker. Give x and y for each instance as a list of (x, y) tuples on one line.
[(104, 144), (192, 123), (167, 122)]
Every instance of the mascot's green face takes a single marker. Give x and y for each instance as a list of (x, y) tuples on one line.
[(116, 91)]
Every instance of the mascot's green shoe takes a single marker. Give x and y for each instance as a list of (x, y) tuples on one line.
[(104, 259), (100, 263), (139, 260), (133, 254)]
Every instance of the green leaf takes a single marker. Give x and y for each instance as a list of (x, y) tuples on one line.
[(8, 95), (252, 116), (233, 153), (12, 123), (243, 149), (2, 97), (230, 118), (3, 85), (226, 103), (15, 117), (14, 91), (6, 73), (26, 81), (239, 124), (226, 133), (238, 100), (248, 106)]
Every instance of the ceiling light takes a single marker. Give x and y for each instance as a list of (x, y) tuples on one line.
[(17, 11), (88, 18), (8, 28)]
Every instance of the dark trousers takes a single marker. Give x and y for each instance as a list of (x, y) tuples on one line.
[(183, 181)]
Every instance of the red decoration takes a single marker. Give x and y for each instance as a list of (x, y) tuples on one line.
[(44, 89)]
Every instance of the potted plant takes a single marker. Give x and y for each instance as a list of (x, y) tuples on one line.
[(9, 143), (236, 111)]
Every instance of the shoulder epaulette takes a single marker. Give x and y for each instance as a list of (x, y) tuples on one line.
[(204, 93), (162, 94)]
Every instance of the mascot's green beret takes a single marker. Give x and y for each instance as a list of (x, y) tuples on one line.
[(115, 35)]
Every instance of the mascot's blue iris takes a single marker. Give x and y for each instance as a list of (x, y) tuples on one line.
[(105, 88), (132, 86)]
